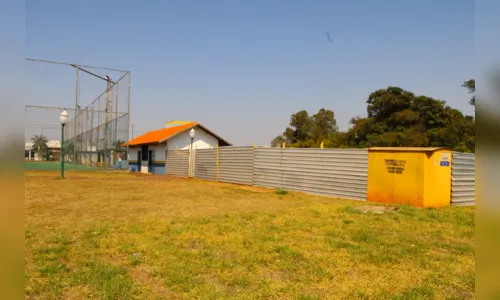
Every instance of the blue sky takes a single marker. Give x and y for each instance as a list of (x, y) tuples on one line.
[(243, 67)]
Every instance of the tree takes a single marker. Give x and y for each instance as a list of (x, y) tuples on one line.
[(395, 118), (470, 85), (117, 146), (300, 128), (323, 124), (399, 118), (305, 131), (277, 141), (40, 145)]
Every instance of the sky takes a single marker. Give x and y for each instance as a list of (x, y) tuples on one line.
[(241, 68)]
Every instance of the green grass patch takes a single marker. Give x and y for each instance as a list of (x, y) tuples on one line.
[(281, 191)]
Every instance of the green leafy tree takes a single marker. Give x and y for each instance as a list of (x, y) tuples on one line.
[(305, 131), (470, 85), (399, 118), (323, 125), (395, 118), (277, 141), (300, 128), (117, 146)]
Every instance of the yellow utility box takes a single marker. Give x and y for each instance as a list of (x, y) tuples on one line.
[(414, 176)]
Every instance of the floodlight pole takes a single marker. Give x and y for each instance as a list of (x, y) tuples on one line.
[(62, 151), (191, 154), (75, 119)]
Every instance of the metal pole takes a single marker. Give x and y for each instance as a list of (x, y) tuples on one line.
[(62, 151), (64, 108), (128, 108), (116, 113), (191, 159), (75, 120), (70, 64)]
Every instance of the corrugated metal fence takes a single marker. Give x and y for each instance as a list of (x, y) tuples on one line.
[(333, 172), (177, 163), (267, 170), (236, 165), (463, 179), (206, 164)]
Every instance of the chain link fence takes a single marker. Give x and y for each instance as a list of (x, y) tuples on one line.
[(98, 105)]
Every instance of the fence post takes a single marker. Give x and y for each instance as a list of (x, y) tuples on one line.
[(217, 163)]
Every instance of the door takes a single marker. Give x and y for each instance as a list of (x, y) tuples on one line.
[(139, 159), (150, 162)]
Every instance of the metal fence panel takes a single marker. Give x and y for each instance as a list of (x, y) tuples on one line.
[(267, 167), (236, 165), (177, 163), (206, 164), (463, 179), (332, 172)]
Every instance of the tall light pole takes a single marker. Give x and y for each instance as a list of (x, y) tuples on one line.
[(191, 167), (64, 120)]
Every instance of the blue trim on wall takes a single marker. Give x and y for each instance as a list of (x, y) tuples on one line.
[(155, 168), (159, 169), (159, 164)]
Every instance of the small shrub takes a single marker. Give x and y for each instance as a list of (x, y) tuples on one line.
[(280, 191), (349, 210)]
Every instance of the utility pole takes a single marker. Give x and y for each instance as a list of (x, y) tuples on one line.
[(108, 118), (75, 121)]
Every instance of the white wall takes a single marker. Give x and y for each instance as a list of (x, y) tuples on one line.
[(159, 152), (132, 153), (202, 140)]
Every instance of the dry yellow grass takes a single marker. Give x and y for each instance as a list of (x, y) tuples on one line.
[(116, 235)]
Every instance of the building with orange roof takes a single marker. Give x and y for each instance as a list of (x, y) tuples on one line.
[(148, 152)]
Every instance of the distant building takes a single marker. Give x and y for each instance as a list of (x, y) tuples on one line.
[(148, 152), (53, 151)]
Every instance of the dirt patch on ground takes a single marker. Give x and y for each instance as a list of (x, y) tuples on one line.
[(154, 288), (157, 177), (78, 178), (252, 188), (376, 209)]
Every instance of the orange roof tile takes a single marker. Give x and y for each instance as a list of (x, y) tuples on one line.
[(159, 135)]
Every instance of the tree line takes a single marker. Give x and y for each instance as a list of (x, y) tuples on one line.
[(40, 146), (395, 118)]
